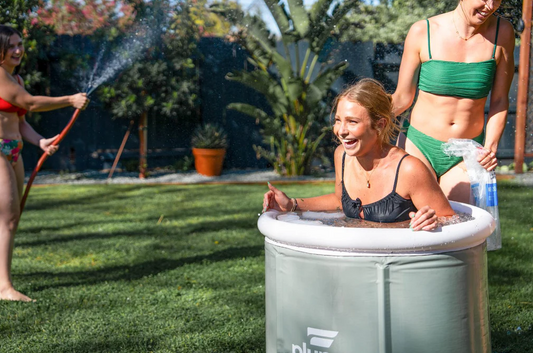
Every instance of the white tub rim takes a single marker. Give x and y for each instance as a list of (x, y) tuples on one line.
[(378, 241)]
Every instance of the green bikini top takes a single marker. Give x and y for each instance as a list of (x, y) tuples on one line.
[(458, 79)]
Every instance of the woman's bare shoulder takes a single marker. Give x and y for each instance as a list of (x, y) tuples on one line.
[(506, 32), (4, 75), (7, 77), (339, 151), (418, 28), (19, 80), (413, 168)]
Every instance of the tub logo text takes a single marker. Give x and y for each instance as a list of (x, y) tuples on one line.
[(318, 338)]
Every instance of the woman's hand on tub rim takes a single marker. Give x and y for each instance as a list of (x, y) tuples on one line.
[(424, 219)]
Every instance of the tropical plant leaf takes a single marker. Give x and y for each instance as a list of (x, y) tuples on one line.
[(295, 128), (319, 11), (263, 83), (299, 16), (250, 110), (283, 65), (258, 32), (318, 88), (295, 88), (338, 13), (280, 15)]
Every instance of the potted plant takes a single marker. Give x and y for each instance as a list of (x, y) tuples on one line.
[(209, 143)]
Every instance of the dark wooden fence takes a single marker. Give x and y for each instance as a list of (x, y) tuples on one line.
[(96, 136)]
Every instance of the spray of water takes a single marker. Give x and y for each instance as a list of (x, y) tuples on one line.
[(130, 50), (95, 68)]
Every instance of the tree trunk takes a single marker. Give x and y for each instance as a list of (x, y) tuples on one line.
[(143, 145)]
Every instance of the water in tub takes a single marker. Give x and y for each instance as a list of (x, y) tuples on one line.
[(338, 219)]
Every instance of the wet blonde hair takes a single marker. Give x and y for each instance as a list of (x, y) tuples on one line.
[(371, 95)]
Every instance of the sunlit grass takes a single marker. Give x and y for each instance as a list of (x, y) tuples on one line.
[(129, 268)]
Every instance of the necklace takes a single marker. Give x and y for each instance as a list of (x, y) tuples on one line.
[(368, 176), (457, 31)]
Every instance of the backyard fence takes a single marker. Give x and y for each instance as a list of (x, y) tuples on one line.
[(96, 136)]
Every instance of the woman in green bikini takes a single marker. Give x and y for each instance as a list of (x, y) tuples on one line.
[(14, 103), (456, 59)]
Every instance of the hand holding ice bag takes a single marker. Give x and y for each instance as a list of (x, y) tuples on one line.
[(482, 182)]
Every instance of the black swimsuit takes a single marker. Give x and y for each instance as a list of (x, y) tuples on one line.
[(391, 208)]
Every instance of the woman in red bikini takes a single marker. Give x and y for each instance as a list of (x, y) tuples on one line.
[(14, 103)]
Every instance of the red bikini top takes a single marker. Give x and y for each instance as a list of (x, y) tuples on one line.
[(10, 108)]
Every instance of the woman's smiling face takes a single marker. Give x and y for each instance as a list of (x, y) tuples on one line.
[(478, 11), (15, 52), (353, 128)]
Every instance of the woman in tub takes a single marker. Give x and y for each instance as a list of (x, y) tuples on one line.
[(374, 180)]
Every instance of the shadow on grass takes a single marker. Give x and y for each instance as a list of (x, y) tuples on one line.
[(138, 229), (117, 193), (135, 271), (512, 341), (106, 344), (255, 342), (503, 274), (96, 195), (510, 264)]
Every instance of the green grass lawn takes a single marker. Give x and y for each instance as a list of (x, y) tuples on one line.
[(180, 268)]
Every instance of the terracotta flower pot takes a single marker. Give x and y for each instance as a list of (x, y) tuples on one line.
[(209, 162)]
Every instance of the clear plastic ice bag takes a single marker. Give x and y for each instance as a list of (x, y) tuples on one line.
[(482, 183)]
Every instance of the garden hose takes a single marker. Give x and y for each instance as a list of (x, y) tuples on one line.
[(45, 156)]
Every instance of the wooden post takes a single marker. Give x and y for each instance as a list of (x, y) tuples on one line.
[(143, 145), (119, 153), (523, 83)]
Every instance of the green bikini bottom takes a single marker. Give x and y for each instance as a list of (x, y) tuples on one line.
[(432, 149)]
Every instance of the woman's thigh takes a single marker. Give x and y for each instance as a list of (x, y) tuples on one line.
[(19, 176), (9, 198), (456, 185)]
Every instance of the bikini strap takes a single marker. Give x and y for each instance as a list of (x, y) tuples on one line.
[(429, 45), (342, 172), (496, 38), (397, 172), (19, 80)]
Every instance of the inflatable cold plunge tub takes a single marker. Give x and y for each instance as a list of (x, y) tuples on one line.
[(376, 290)]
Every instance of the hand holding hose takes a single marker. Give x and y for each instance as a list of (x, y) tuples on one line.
[(79, 100), (47, 145), (50, 147)]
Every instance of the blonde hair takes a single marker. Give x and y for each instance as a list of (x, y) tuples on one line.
[(371, 95)]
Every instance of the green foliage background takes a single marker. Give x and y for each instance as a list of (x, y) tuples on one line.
[(390, 20), (163, 82)]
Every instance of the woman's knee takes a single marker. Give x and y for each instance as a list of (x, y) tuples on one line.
[(10, 220)]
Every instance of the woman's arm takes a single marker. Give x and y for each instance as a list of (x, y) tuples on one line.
[(417, 182), (405, 92), (278, 200), (30, 135), (499, 100), (12, 92)]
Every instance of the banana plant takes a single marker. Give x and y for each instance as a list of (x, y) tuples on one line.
[(295, 88)]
